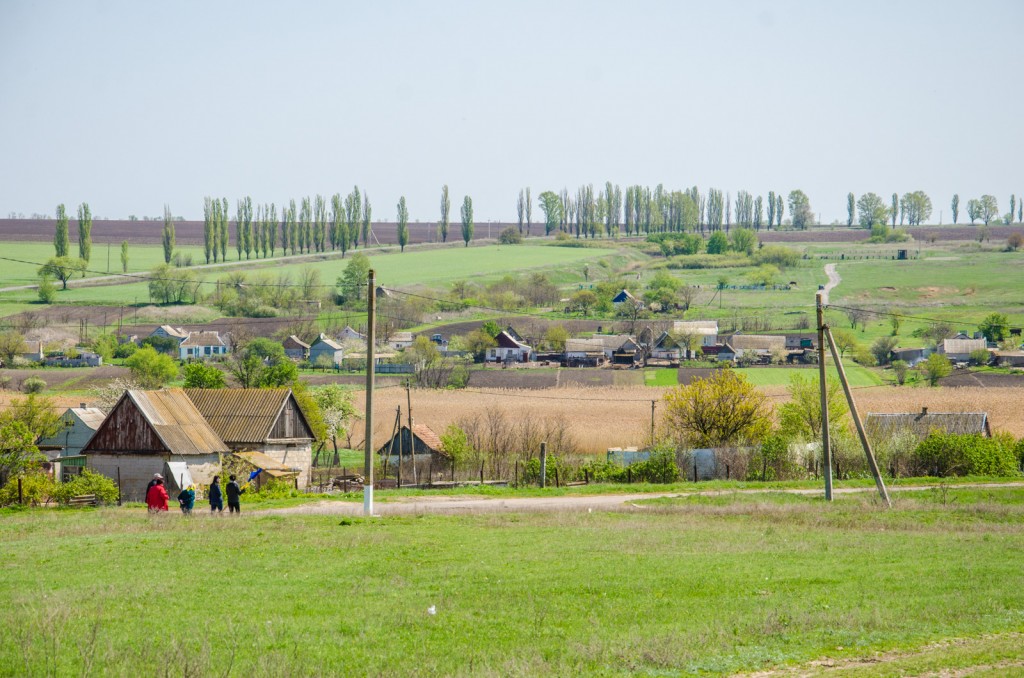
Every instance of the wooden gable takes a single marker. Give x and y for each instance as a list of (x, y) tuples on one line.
[(291, 422), (126, 429)]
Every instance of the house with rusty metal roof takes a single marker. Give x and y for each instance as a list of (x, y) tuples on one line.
[(423, 444), (150, 432), (265, 420), (885, 425), (295, 348)]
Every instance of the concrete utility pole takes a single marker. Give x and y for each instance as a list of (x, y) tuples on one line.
[(879, 483), (412, 442), (371, 338), (543, 464), (826, 447)]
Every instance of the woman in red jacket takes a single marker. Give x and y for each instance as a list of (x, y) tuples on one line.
[(156, 497)]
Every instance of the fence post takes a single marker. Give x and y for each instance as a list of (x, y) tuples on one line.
[(586, 476), (517, 474), (695, 469), (629, 475), (543, 464), (481, 473), (21, 497), (556, 475)]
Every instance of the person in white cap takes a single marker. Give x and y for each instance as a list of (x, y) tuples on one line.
[(156, 477)]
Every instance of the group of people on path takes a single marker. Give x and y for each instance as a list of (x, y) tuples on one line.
[(157, 497)]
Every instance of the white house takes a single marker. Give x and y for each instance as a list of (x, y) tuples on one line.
[(202, 345), (400, 340), (350, 334), (509, 349), (706, 331), (665, 348), (607, 344), (760, 346)]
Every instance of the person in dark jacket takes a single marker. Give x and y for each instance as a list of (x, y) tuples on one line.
[(216, 496), (156, 497), (234, 492), (187, 499)]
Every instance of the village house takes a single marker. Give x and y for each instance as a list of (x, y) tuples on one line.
[(325, 351), (31, 351), (959, 350), (625, 297), (883, 426), (583, 353), (508, 349), (295, 348), (64, 448), (151, 432), (801, 341), (202, 345), (400, 340), (621, 348), (168, 332), (82, 358), (349, 334), (665, 348), (265, 420), (1010, 358), (706, 330), (424, 442)]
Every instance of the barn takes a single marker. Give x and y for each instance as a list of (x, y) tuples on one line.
[(265, 420), (424, 442), (151, 432)]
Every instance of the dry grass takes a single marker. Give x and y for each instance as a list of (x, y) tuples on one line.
[(604, 417)]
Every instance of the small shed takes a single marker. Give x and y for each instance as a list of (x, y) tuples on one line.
[(885, 425), (426, 444), (147, 429), (959, 350), (266, 467), (295, 348)]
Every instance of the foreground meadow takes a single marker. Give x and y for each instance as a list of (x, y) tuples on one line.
[(695, 584)]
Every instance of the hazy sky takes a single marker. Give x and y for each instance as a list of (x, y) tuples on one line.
[(130, 105)]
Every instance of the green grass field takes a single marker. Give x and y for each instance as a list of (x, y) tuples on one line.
[(710, 585), (415, 267), (780, 376), (140, 258)]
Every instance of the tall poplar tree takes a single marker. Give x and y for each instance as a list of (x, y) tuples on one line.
[(225, 237), (851, 208), (367, 221), (521, 209), (84, 231), (60, 236), (446, 206), (272, 229), (780, 209), (894, 208), (168, 235), (956, 207), (124, 256), (467, 220), (339, 223), (529, 211), (305, 224), (208, 229), (403, 223)]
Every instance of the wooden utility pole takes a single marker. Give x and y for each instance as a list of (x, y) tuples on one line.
[(826, 446), (401, 448), (652, 423), (879, 483), (412, 442), (371, 338)]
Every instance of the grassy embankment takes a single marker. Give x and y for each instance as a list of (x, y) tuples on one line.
[(705, 584)]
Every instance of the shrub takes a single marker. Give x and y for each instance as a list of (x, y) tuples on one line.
[(510, 236), (780, 256), (950, 454), (125, 350), (36, 489), (47, 290), (88, 482), (33, 385), (531, 471)]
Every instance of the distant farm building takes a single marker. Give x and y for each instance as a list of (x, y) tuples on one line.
[(883, 426)]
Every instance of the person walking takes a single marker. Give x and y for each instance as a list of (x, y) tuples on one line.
[(216, 496), (187, 499), (234, 492), (156, 497)]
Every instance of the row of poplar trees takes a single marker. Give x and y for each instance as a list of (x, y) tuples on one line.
[(61, 243), (312, 225)]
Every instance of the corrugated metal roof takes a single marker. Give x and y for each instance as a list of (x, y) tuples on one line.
[(884, 425), (268, 464), (327, 341), (427, 435), (294, 342), (90, 416), (695, 326), (203, 339), (757, 342), (240, 415), (963, 345), (177, 422)]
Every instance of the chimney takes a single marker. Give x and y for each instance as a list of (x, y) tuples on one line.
[(924, 411)]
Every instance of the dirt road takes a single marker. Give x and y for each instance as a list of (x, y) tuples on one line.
[(833, 280), (601, 502)]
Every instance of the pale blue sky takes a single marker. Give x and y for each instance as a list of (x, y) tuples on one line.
[(130, 105)]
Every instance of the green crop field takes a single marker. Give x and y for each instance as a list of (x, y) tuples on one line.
[(140, 258), (415, 267), (780, 376), (709, 585)]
